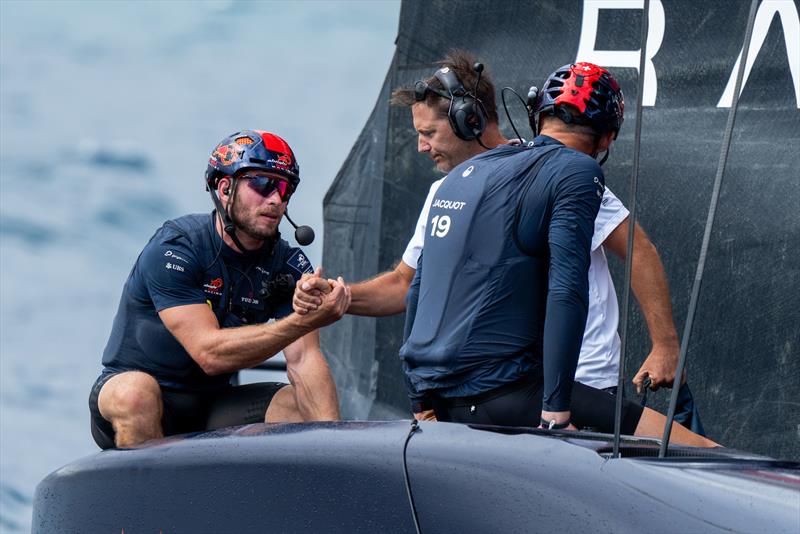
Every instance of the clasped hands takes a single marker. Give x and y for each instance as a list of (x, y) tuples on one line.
[(323, 301)]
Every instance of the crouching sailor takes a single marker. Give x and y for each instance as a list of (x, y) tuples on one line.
[(195, 307)]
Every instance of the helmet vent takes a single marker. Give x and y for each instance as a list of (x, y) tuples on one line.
[(243, 141)]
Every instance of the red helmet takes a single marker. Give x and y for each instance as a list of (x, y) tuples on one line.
[(582, 93), (252, 149)]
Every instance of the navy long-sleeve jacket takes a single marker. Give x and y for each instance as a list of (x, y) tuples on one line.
[(501, 289)]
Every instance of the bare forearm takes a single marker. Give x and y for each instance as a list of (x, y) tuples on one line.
[(223, 350), (383, 295), (649, 283), (650, 287), (231, 349)]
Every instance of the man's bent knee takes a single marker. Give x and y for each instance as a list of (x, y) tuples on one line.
[(131, 402), (128, 394), (283, 407)]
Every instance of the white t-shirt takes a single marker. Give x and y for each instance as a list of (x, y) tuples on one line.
[(598, 364)]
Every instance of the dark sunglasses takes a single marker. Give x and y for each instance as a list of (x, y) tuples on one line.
[(265, 185)]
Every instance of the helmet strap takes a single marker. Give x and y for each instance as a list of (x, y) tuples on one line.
[(596, 152), (232, 189), (228, 225), (230, 228), (605, 157)]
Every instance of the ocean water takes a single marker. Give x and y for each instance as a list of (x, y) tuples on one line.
[(108, 112)]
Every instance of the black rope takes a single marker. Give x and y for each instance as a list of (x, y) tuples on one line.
[(221, 239), (637, 139), (508, 115), (414, 428), (712, 210)]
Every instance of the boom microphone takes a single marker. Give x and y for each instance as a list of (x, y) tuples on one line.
[(304, 235), (479, 69), (533, 93)]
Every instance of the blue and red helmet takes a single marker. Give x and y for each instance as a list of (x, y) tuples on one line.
[(582, 93), (252, 149)]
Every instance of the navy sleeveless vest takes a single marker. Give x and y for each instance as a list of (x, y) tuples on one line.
[(473, 316)]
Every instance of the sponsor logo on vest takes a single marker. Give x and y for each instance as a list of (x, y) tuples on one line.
[(468, 171), (174, 267), (302, 262), (214, 287), (299, 263), (170, 254), (600, 187), (448, 204)]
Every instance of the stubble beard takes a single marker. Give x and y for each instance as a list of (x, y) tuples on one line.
[(453, 159), (245, 223), (443, 166)]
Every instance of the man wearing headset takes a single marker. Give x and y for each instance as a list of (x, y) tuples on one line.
[(196, 306)]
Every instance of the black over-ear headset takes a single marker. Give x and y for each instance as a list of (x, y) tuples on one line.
[(466, 114)]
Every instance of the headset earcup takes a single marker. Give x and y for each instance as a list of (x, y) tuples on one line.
[(467, 115), (479, 121), (458, 121), (467, 119)]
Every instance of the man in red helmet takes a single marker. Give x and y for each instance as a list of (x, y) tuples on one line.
[(196, 306)]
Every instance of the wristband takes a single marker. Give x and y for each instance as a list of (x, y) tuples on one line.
[(552, 425)]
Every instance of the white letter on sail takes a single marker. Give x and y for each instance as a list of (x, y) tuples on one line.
[(623, 58), (791, 34)]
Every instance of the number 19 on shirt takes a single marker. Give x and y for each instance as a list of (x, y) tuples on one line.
[(440, 225)]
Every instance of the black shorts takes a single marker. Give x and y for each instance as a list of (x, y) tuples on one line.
[(190, 411), (519, 403)]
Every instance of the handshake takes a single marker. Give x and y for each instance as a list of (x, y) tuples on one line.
[(321, 301)]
